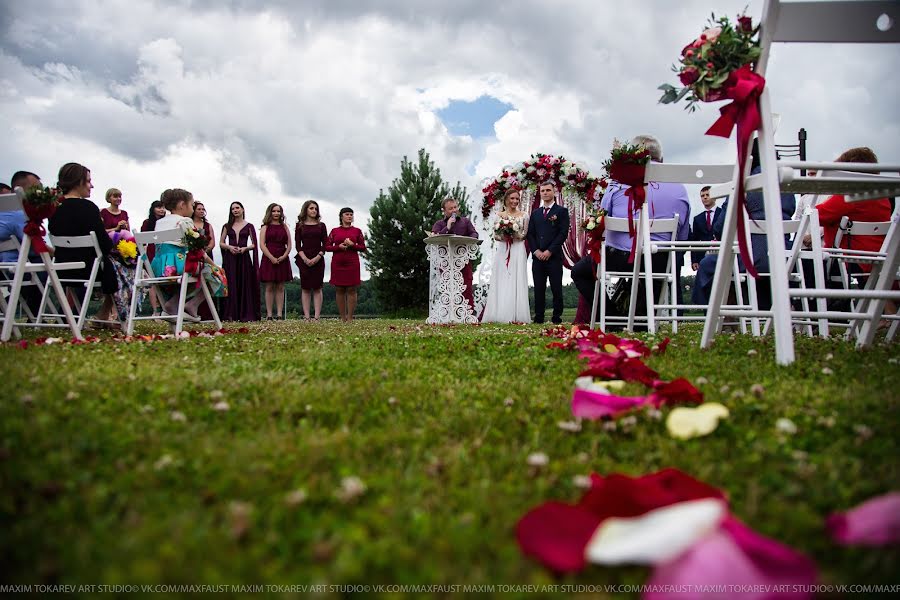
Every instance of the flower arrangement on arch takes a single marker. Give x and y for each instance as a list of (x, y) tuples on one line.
[(709, 64), (563, 173)]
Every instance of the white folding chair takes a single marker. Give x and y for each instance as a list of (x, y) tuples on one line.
[(89, 284), (144, 277), (839, 21), (644, 248), (16, 273)]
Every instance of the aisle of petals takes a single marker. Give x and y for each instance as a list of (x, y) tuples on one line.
[(680, 526), (153, 337)]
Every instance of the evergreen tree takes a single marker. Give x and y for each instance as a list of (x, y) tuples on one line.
[(399, 220)]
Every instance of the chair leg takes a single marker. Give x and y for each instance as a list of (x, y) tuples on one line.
[(61, 294), (596, 299)]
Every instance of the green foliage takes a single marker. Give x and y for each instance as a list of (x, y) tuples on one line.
[(116, 466), (399, 221)]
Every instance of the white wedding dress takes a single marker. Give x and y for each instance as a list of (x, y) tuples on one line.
[(507, 299)]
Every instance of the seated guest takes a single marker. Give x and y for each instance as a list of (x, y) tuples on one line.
[(12, 224), (114, 219), (5, 189), (170, 258), (758, 244), (77, 215), (157, 212), (664, 201)]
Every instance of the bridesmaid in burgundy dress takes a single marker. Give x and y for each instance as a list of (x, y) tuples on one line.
[(346, 242), (113, 218), (276, 248), (310, 235), (240, 259)]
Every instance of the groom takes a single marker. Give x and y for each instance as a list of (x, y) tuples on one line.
[(547, 231)]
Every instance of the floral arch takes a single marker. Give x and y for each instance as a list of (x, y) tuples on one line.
[(576, 189)]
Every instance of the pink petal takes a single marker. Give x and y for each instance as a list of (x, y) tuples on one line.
[(557, 535), (734, 562), (875, 522), (593, 405)]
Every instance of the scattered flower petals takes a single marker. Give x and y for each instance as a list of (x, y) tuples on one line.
[(658, 535), (556, 534), (875, 522), (686, 423), (597, 405), (786, 426)]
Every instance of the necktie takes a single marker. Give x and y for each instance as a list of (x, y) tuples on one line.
[(709, 219), (546, 210)]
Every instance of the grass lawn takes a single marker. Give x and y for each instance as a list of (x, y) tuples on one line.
[(116, 466)]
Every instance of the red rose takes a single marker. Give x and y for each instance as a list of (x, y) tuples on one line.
[(689, 53), (689, 76), (604, 183), (746, 23), (710, 66)]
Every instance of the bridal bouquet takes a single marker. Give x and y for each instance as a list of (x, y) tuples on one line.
[(40, 203), (710, 65), (506, 229)]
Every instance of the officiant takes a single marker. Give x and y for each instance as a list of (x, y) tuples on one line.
[(454, 223)]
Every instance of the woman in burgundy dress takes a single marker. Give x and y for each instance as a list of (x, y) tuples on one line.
[(311, 235), (275, 243), (157, 212), (240, 259), (113, 218), (346, 242)]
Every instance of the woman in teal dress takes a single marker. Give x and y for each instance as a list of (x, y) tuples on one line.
[(170, 257)]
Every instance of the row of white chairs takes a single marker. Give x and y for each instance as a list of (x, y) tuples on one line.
[(49, 279)]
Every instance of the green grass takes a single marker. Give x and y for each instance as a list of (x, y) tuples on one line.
[(98, 483)]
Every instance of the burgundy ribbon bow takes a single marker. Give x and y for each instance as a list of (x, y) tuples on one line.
[(744, 88), (632, 175), (34, 227), (193, 263)]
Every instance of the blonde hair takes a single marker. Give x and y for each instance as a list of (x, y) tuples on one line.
[(112, 192)]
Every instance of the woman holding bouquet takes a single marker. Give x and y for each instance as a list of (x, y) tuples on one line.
[(275, 268), (201, 224), (507, 300), (240, 259), (114, 218), (172, 257)]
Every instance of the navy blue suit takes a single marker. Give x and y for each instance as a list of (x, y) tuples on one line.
[(701, 233), (548, 233)]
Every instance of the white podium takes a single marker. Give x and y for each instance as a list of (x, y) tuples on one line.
[(448, 255)]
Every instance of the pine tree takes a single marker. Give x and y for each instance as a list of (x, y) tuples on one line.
[(399, 220)]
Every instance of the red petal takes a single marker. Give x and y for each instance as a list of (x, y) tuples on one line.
[(676, 391), (556, 534)]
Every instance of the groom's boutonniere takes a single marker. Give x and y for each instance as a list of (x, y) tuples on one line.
[(552, 219)]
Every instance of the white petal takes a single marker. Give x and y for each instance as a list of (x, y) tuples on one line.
[(657, 536)]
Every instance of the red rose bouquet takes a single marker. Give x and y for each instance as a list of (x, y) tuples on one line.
[(40, 203)]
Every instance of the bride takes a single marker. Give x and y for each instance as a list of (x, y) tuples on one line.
[(507, 300)]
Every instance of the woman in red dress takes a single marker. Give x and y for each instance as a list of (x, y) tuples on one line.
[(274, 268), (113, 218), (310, 236), (346, 242)]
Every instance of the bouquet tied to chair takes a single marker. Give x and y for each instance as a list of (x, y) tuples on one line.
[(40, 203), (195, 241)]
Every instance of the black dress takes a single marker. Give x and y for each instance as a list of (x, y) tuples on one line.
[(79, 216)]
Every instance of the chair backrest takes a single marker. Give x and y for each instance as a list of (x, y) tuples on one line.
[(864, 228), (837, 22), (143, 238), (689, 174), (10, 244), (758, 227), (77, 241), (12, 202)]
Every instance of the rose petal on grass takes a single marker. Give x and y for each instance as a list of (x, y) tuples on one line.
[(875, 522), (734, 557), (685, 423), (657, 536), (556, 534), (592, 405)]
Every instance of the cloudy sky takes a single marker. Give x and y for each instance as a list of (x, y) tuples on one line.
[(284, 101)]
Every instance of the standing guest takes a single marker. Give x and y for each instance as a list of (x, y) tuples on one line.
[(157, 212), (346, 242), (79, 216), (201, 224), (171, 257), (275, 269), (240, 259), (702, 226), (114, 218), (311, 235), (455, 224), (548, 229)]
